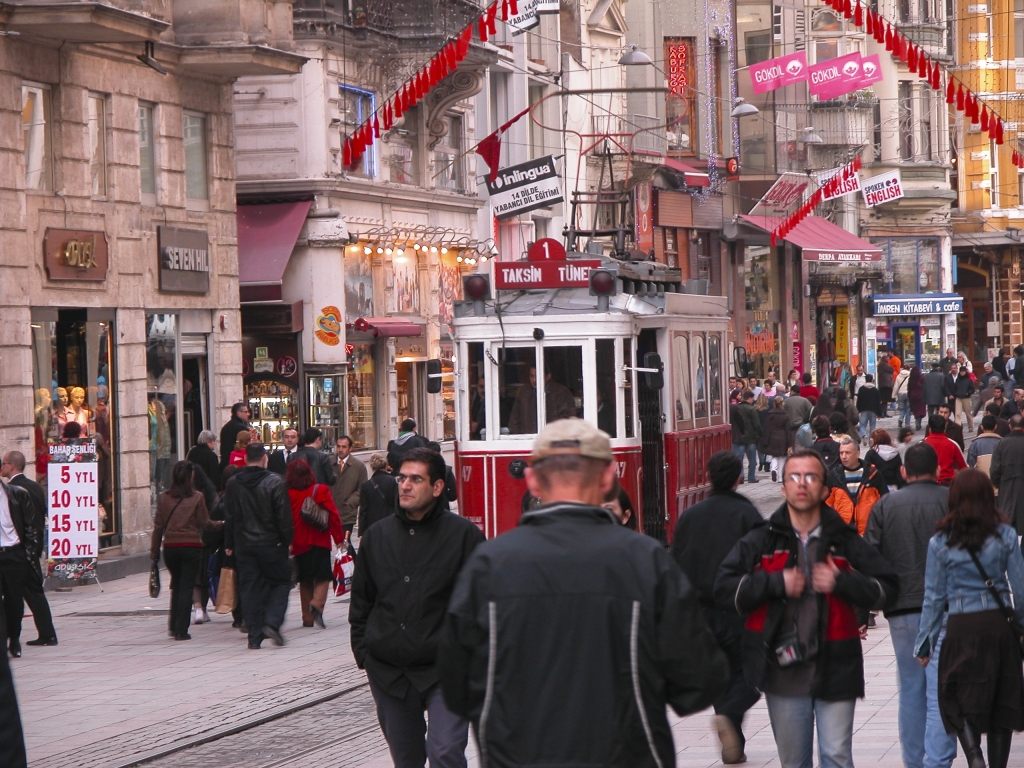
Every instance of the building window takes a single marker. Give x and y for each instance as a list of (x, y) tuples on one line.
[(825, 50), (35, 123), (356, 106), (680, 103), (147, 154), (993, 174), (98, 144), (1018, 29), (404, 160), (538, 147), (448, 157), (914, 263), (1020, 188), (927, 150), (906, 120), (196, 180)]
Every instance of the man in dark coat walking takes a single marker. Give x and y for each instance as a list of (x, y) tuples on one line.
[(378, 496), (1007, 473), (886, 378), (405, 573), (204, 456), (239, 422), (704, 534), (20, 539), (408, 438), (746, 431), (12, 739), (351, 474), (13, 469), (319, 462), (936, 389)]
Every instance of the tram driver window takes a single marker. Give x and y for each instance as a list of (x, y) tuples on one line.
[(517, 398), (477, 391), (605, 365)]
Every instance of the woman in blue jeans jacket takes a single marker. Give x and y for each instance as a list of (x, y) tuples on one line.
[(981, 683)]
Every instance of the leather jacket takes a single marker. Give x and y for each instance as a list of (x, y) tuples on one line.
[(952, 578), (258, 509), (25, 521)]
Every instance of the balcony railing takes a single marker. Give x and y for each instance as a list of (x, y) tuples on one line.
[(641, 134), (844, 123)]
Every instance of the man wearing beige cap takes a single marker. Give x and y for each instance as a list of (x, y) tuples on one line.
[(566, 637)]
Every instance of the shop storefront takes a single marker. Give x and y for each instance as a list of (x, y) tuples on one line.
[(913, 326)]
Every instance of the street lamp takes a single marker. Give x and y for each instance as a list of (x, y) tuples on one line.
[(634, 58), (743, 109), (810, 137)]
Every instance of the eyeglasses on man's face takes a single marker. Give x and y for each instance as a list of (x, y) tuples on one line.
[(808, 478)]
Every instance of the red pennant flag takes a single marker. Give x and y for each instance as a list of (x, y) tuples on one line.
[(974, 111), (857, 165), (449, 55), (902, 46), (950, 97), (847, 9), (912, 57), (870, 19), (492, 14), (879, 30), (346, 153), (513, 7), (888, 38), (462, 45), (773, 239), (936, 77), (483, 27), (388, 118), (367, 134), (376, 127), (858, 15), (504, 10), (999, 131), (959, 96), (984, 118), (924, 70)]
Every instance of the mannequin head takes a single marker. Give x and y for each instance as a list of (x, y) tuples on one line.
[(77, 397), (62, 396), (43, 398)]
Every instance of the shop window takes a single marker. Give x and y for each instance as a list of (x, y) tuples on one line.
[(162, 393), (35, 124), (448, 390), (326, 409), (1018, 29), (72, 368), (606, 390), (361, 384), (407, 283), (448, 166), (627, 385), (906, 120), (358, 283), (147, 154), (98, 144), (760, 278), (196, 179), (517, 390), (538, 145), (477, 399), (410, 391), (404, 144), (356, 105)]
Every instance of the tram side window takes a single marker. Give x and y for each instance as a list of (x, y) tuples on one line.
[(477, 391), (517, 393), (627, 358), (563, 377), (605, 365)]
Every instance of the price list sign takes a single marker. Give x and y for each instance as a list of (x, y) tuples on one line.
[(72, 485)]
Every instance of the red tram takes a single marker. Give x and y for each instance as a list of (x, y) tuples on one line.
[(617, 343)]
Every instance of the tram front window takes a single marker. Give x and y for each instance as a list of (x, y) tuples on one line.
[(605, 365), (517, 383)]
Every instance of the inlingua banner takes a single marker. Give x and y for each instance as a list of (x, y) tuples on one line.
[(775, 73)]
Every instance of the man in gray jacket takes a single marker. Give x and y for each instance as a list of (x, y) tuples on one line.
[(936, 389), (798, 408), (1007, 473), (900, 526)]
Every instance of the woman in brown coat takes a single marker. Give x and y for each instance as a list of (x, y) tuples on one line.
[(181, 518), (777, 439)]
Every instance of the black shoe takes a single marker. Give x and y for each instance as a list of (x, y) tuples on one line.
[(15, 648), (318, 617), (273, 634), (972, 746), (237, 624), (185, 636), (755, 480), (42, 641), (253, 646)]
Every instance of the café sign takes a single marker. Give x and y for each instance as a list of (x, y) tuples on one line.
[(931, 304), (184, 260), (75, 254)]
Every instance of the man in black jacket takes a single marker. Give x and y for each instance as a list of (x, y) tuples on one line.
[(799, 581), (405, 572), (13, 469), (407, 439), (239, 422), (278, 460), (319, 462), (20, 536), (12, 739), (704, 534), (566, 637), (258, 532), (900, 527)]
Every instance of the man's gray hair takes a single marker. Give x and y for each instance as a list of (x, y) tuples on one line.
[(205, 437), (848, 441)]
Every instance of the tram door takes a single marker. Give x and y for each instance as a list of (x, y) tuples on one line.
[(652, 444)]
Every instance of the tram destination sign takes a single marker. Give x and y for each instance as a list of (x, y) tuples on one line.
[(918, 305), (525, 187), (523, 275)]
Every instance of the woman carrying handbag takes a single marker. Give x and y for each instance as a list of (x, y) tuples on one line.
[(181, 518), (974, 561), (316, 521)]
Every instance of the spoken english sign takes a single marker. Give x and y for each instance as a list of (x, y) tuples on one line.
[(522, 275), (918, 305), (525, 187), (845, 186), (883, 188)]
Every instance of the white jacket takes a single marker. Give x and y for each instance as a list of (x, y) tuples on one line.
[(900, 385)]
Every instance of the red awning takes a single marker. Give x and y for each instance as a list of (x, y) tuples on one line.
[(266, 238), (387, 326), (694, 177), (821, 240)]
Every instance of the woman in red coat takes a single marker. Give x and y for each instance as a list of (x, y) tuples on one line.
[(312, 548)]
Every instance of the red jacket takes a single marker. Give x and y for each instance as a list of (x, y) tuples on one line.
[(810, 392), (307, 537), (951, 458)]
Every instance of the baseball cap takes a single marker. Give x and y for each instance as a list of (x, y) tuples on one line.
[(571, 436)]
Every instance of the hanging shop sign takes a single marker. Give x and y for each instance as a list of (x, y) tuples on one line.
[(834, 78), (525, 187), (72, 479), (870, 70), (784, 194), (526, 19), (643, 216), (842, 334), (521, 275), (184, 260), (930, 304), (75, 254), (775, 73), (843, 187), (883, 188), (328, 326)]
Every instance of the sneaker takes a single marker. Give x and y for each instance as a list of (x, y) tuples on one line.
[(197, 616), (206, 617), (732, 743)]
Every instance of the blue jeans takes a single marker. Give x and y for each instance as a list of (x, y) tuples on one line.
[(939, 746), (868, 420), (750, 449), (793, 720), (905, 413)]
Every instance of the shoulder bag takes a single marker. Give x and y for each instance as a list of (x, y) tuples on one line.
[(314, 515), (154, 571), (1007, 612)]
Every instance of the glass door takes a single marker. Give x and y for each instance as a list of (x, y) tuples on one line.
[(906, 345), (327, 407)]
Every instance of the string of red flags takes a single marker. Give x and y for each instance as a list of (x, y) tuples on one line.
[(826, 191)]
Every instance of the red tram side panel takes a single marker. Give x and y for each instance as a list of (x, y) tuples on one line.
[(687, 454)]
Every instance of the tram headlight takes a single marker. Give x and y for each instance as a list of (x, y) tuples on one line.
[(603, 281), (476, 287)]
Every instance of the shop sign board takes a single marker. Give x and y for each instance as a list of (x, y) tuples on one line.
[(524, 275), (642, 216), (835, 77), (845, 186), (918, 305), (72, 478), (883, 188), (184, 260), (526, 19), (525, 187), (841, 257), (785, 194), (75, 254), (798, 357), (780, 71), (842, 334)]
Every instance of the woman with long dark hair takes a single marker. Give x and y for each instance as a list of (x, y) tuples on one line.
[(181, 518), (974, 561), (311, 547)]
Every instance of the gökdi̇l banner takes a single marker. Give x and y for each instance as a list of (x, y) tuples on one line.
[(73, 509)]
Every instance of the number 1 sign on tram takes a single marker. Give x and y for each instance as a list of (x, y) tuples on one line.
[(72, 501)]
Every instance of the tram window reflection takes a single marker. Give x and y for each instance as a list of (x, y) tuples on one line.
[(563, 377), (605, 365), (517, 395), (627, 359), (477, 391)]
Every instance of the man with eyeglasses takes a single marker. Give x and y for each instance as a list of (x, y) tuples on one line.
[(405, 573), (799, 582), (239, 422)]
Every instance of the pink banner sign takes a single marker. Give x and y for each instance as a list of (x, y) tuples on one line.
[(836, 77), (775, 73), (870, 70)]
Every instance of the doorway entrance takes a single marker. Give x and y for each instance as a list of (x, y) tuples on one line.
[(906, 344)]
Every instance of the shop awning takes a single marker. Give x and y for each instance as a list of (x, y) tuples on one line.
[(821, 240), (694, 177), (266, 237), (387, 326)]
